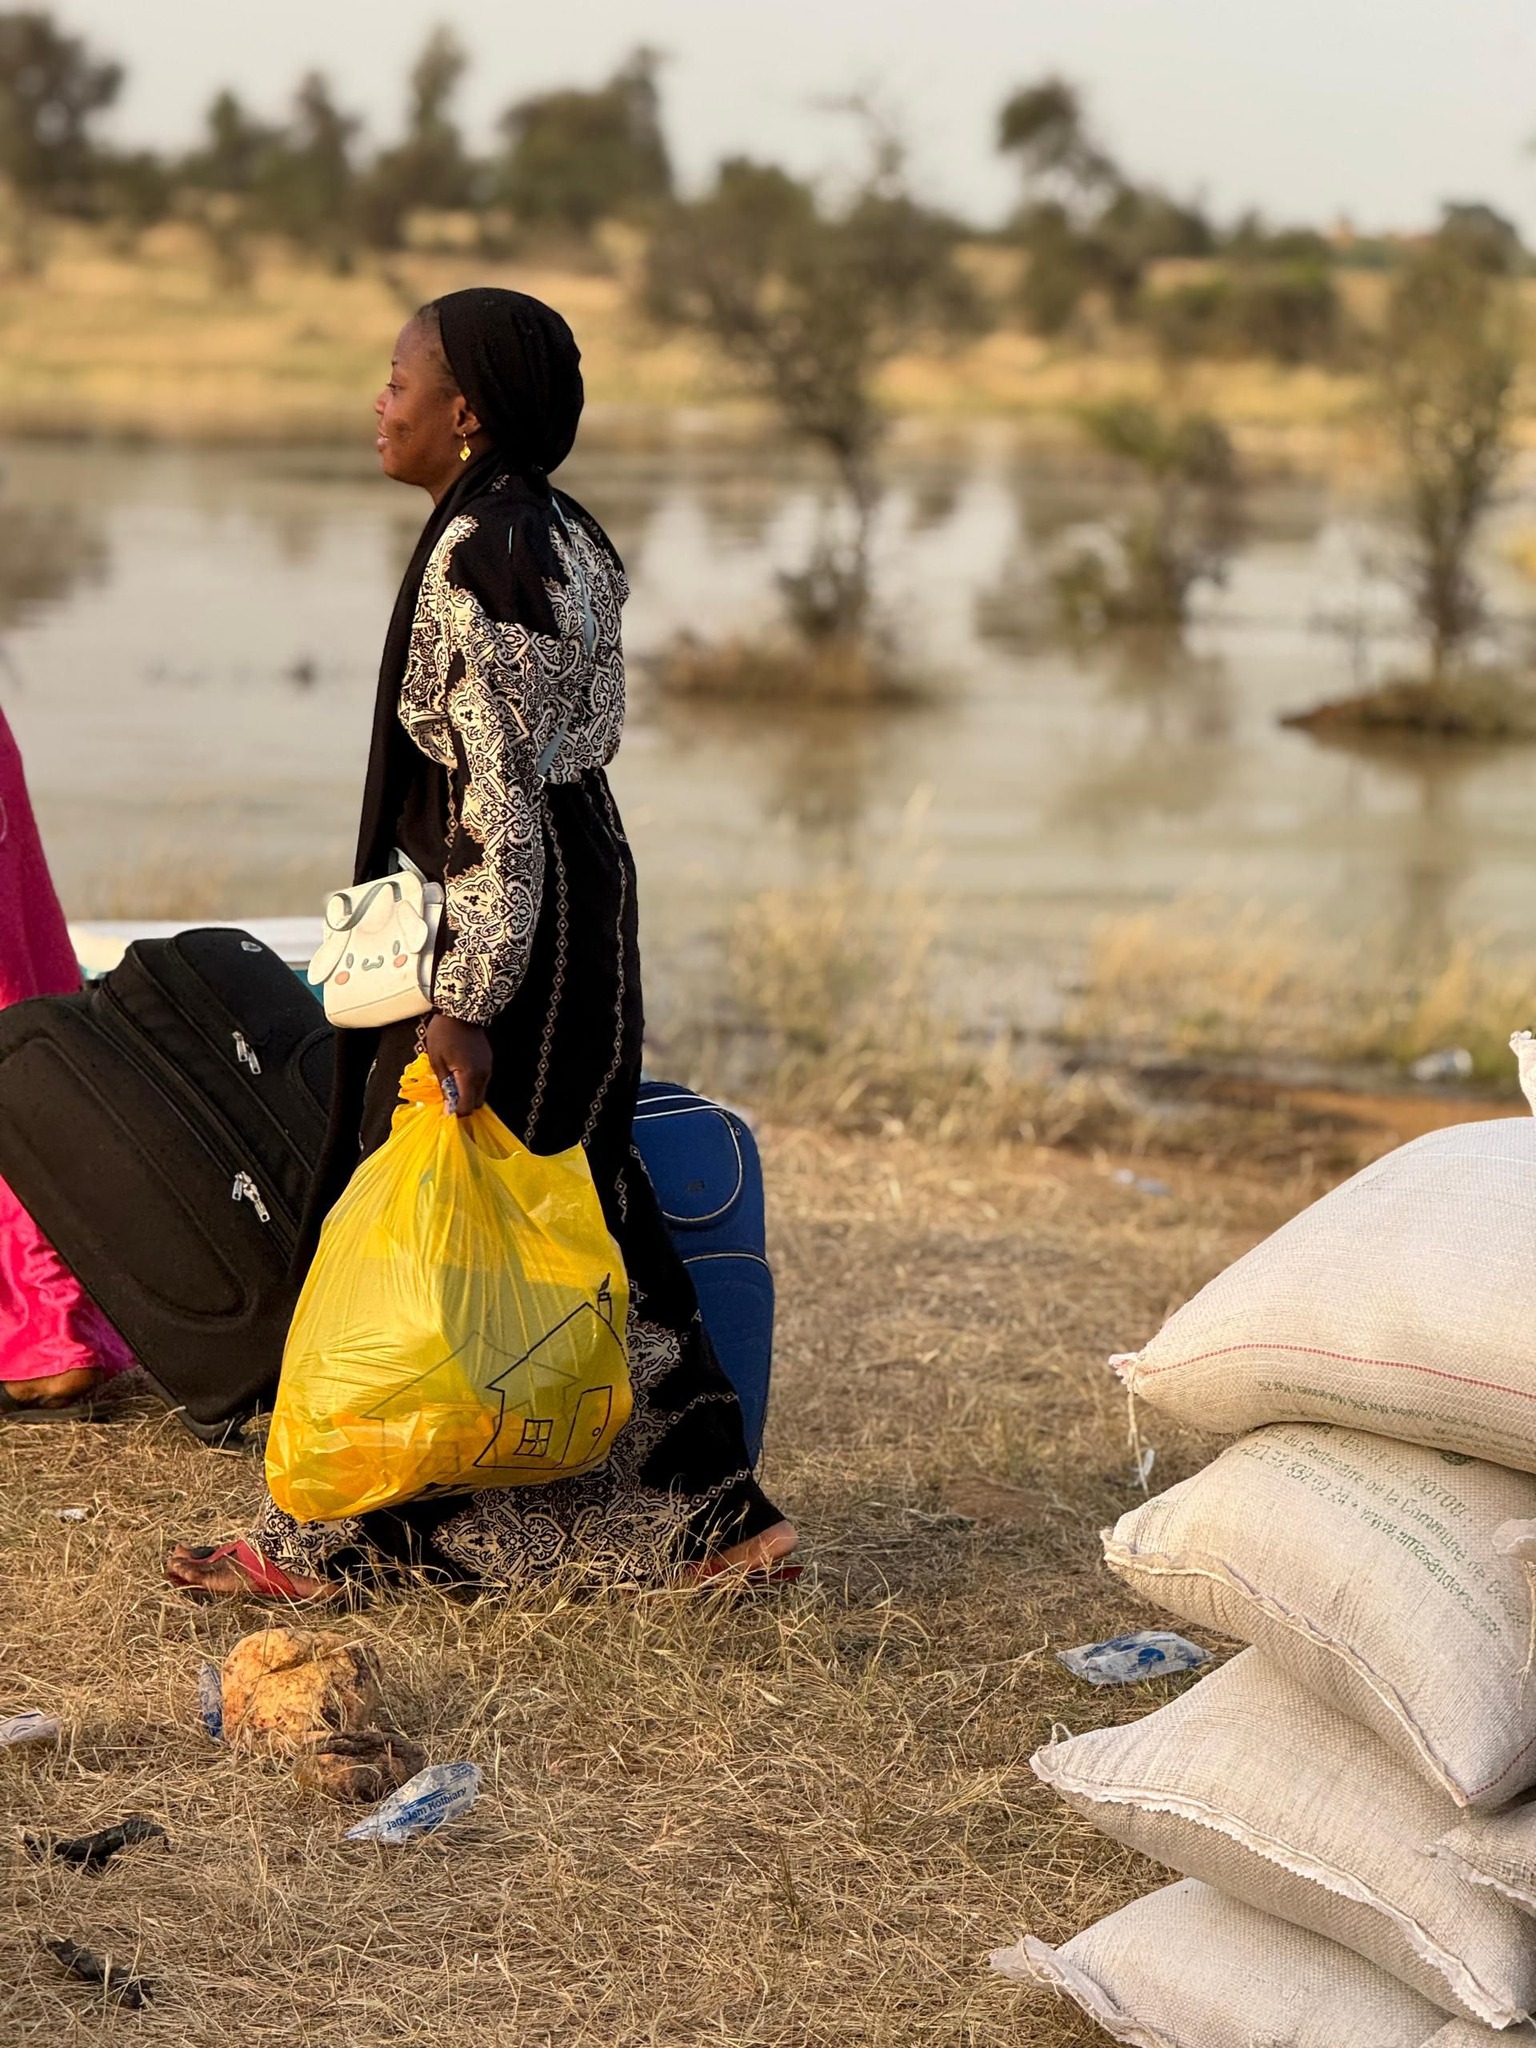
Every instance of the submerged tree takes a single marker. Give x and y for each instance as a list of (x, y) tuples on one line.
[(574, 158), (811, 302), (1446, 380), (1182, 535)]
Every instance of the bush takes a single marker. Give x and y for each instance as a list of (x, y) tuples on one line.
[(1151, 559), (1290, 313)]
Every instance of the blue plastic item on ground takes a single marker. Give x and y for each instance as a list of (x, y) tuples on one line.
[(439, 1793), (210, 1700), (1125, 1660), (704, 1165)]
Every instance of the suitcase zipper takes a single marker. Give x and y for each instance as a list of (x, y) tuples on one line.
[(148, 1058), (245, 1053), (246, 1190)]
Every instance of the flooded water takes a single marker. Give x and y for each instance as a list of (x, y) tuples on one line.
[(189, 642)]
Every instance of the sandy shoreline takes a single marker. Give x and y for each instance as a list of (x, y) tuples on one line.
[(152, 347)]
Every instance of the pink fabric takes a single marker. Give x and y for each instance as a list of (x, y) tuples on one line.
[(47, 1325), (36, 958)]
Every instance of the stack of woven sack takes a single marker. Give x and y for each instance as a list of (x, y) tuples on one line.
[(1343, 1799)]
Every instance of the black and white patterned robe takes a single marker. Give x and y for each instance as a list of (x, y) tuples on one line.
[(540, 946)]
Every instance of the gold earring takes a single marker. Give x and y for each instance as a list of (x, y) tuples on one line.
[(465, 451)]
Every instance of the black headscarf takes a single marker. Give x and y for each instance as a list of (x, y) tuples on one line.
[(517, 363)]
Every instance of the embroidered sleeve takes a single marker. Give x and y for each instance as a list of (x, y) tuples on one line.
[(484, 695), (487, 676)]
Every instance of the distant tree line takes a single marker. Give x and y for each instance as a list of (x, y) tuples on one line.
[(1092, 238), (1095, 247), (564, 160)]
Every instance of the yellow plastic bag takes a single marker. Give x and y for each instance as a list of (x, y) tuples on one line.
[(463, 1324)]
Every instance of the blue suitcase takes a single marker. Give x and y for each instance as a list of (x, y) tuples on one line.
[(704, 1166)]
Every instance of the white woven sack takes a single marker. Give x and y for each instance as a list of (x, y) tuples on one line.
[(1403, 1303), (1252, 1784), (1188, 1968), (1498, 1850), (1368, 1569)]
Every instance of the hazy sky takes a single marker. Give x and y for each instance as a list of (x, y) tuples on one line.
[(1307, 108)]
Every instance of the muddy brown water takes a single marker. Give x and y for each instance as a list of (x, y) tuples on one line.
[(188, 641)]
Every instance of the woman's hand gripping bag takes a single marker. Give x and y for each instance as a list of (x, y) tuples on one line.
[(462, 1326)]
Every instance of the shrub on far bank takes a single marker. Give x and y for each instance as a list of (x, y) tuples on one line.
[(1288, 312), (837, 671), (1473, 704)]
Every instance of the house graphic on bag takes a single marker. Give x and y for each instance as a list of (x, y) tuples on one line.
[(553, 1416)]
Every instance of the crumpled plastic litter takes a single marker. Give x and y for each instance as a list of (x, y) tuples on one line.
[(92, 1853), (210, 1700), (434, 1796), (31, 1727), (1523, 1045), (119, 1984), (1453, 1063), (1123, 1177), (1125, 1660)]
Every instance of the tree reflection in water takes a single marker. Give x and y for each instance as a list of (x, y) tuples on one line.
[(1167, 749), (46, 552)]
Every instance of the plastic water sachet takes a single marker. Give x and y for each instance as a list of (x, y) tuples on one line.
[(1125, 1660), (24, 1728), (1523, 1045), (439, 1793), (210, 1700)]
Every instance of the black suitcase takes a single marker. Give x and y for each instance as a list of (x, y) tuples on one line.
[(162, 1128)]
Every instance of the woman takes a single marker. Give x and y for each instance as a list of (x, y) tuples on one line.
[(493, 728), (56, 1347)]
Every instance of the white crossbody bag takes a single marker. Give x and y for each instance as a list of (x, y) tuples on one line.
[(376, 962)]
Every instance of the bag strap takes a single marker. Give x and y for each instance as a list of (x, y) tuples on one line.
[(358, 909), (544, 767)]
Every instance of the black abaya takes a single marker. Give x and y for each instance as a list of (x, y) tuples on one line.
[(491, 654)]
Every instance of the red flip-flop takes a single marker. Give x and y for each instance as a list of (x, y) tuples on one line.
[(763, 1578), (264, 1580)]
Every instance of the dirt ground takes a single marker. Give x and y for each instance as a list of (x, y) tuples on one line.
[(797, 1821)]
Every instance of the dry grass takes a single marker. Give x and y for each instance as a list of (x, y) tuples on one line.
[(826, 1016), (828, 1019), (799, 1823), (155, 342), (1216, 979)]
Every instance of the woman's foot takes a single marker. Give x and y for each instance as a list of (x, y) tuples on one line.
[(761, 1560), (61, 1397), (233, 1571), (58, 1390)]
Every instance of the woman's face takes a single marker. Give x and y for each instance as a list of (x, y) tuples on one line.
[(423, 422)]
